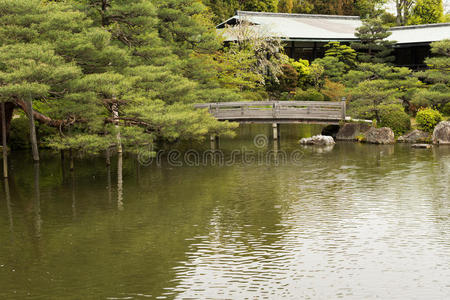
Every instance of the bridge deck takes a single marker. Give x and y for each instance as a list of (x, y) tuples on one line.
[(278, 111)]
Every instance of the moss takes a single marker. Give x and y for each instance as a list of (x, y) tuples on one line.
[(361, 137)]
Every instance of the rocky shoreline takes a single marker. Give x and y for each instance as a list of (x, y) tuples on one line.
[(362, 132), (368, 134)]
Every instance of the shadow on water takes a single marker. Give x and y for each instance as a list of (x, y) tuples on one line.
[(161, 230)]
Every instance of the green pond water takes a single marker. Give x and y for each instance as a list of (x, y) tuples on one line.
[(352, 221)]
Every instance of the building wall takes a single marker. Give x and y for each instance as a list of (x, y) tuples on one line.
[(411, 56)]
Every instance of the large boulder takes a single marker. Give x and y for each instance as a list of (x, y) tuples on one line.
[(383, 135), (318, 140), (350, 131), (441, 133), (415, 136)]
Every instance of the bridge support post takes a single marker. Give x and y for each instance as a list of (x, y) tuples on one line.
[(344, 107), (214, 139), (275, 131)]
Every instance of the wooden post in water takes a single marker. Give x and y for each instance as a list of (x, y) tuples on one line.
[(5, 150), (108, 157), (214, 141), (33, 138), (275, 131), (344, 108)]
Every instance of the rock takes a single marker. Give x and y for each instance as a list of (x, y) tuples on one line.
[(383, 135), (423, 146), (441, 133), (415, 136), (318, 140), (350, 131)]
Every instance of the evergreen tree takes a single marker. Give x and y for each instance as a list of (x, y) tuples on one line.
[(372, 86), (333, 69), (437, 76), (40, 72), (101, 74), (372, 45), (344, 53)]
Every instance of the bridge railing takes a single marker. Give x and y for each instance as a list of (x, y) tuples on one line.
[(277, 110)]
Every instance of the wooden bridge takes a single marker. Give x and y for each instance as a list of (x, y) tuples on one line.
[(315, 112), (278, 112)]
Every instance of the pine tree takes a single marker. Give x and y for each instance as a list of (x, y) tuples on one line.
[(372, 45), (344, 53), (437, 76), (373, 86), (34, 65), (101, 74), (187, 29)]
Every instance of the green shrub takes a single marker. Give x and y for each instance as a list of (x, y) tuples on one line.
[(394, 117), (428, 118), (19, 133), (308, 95), (446, 109)]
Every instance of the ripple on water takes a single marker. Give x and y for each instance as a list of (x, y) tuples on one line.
[(356, 234)]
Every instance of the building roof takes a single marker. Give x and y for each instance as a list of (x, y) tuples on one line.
[(325, 28), (420, 33), (301, 26)]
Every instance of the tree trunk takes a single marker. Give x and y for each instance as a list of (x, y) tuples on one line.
[(398, 6), (4, 146), (115, 111), (33, 138), (9, 111)]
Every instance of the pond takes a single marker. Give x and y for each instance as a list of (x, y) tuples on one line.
[(353, 221)]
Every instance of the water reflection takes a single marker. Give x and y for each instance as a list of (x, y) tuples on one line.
[(120, 181), (352, 222), (8, 204)]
